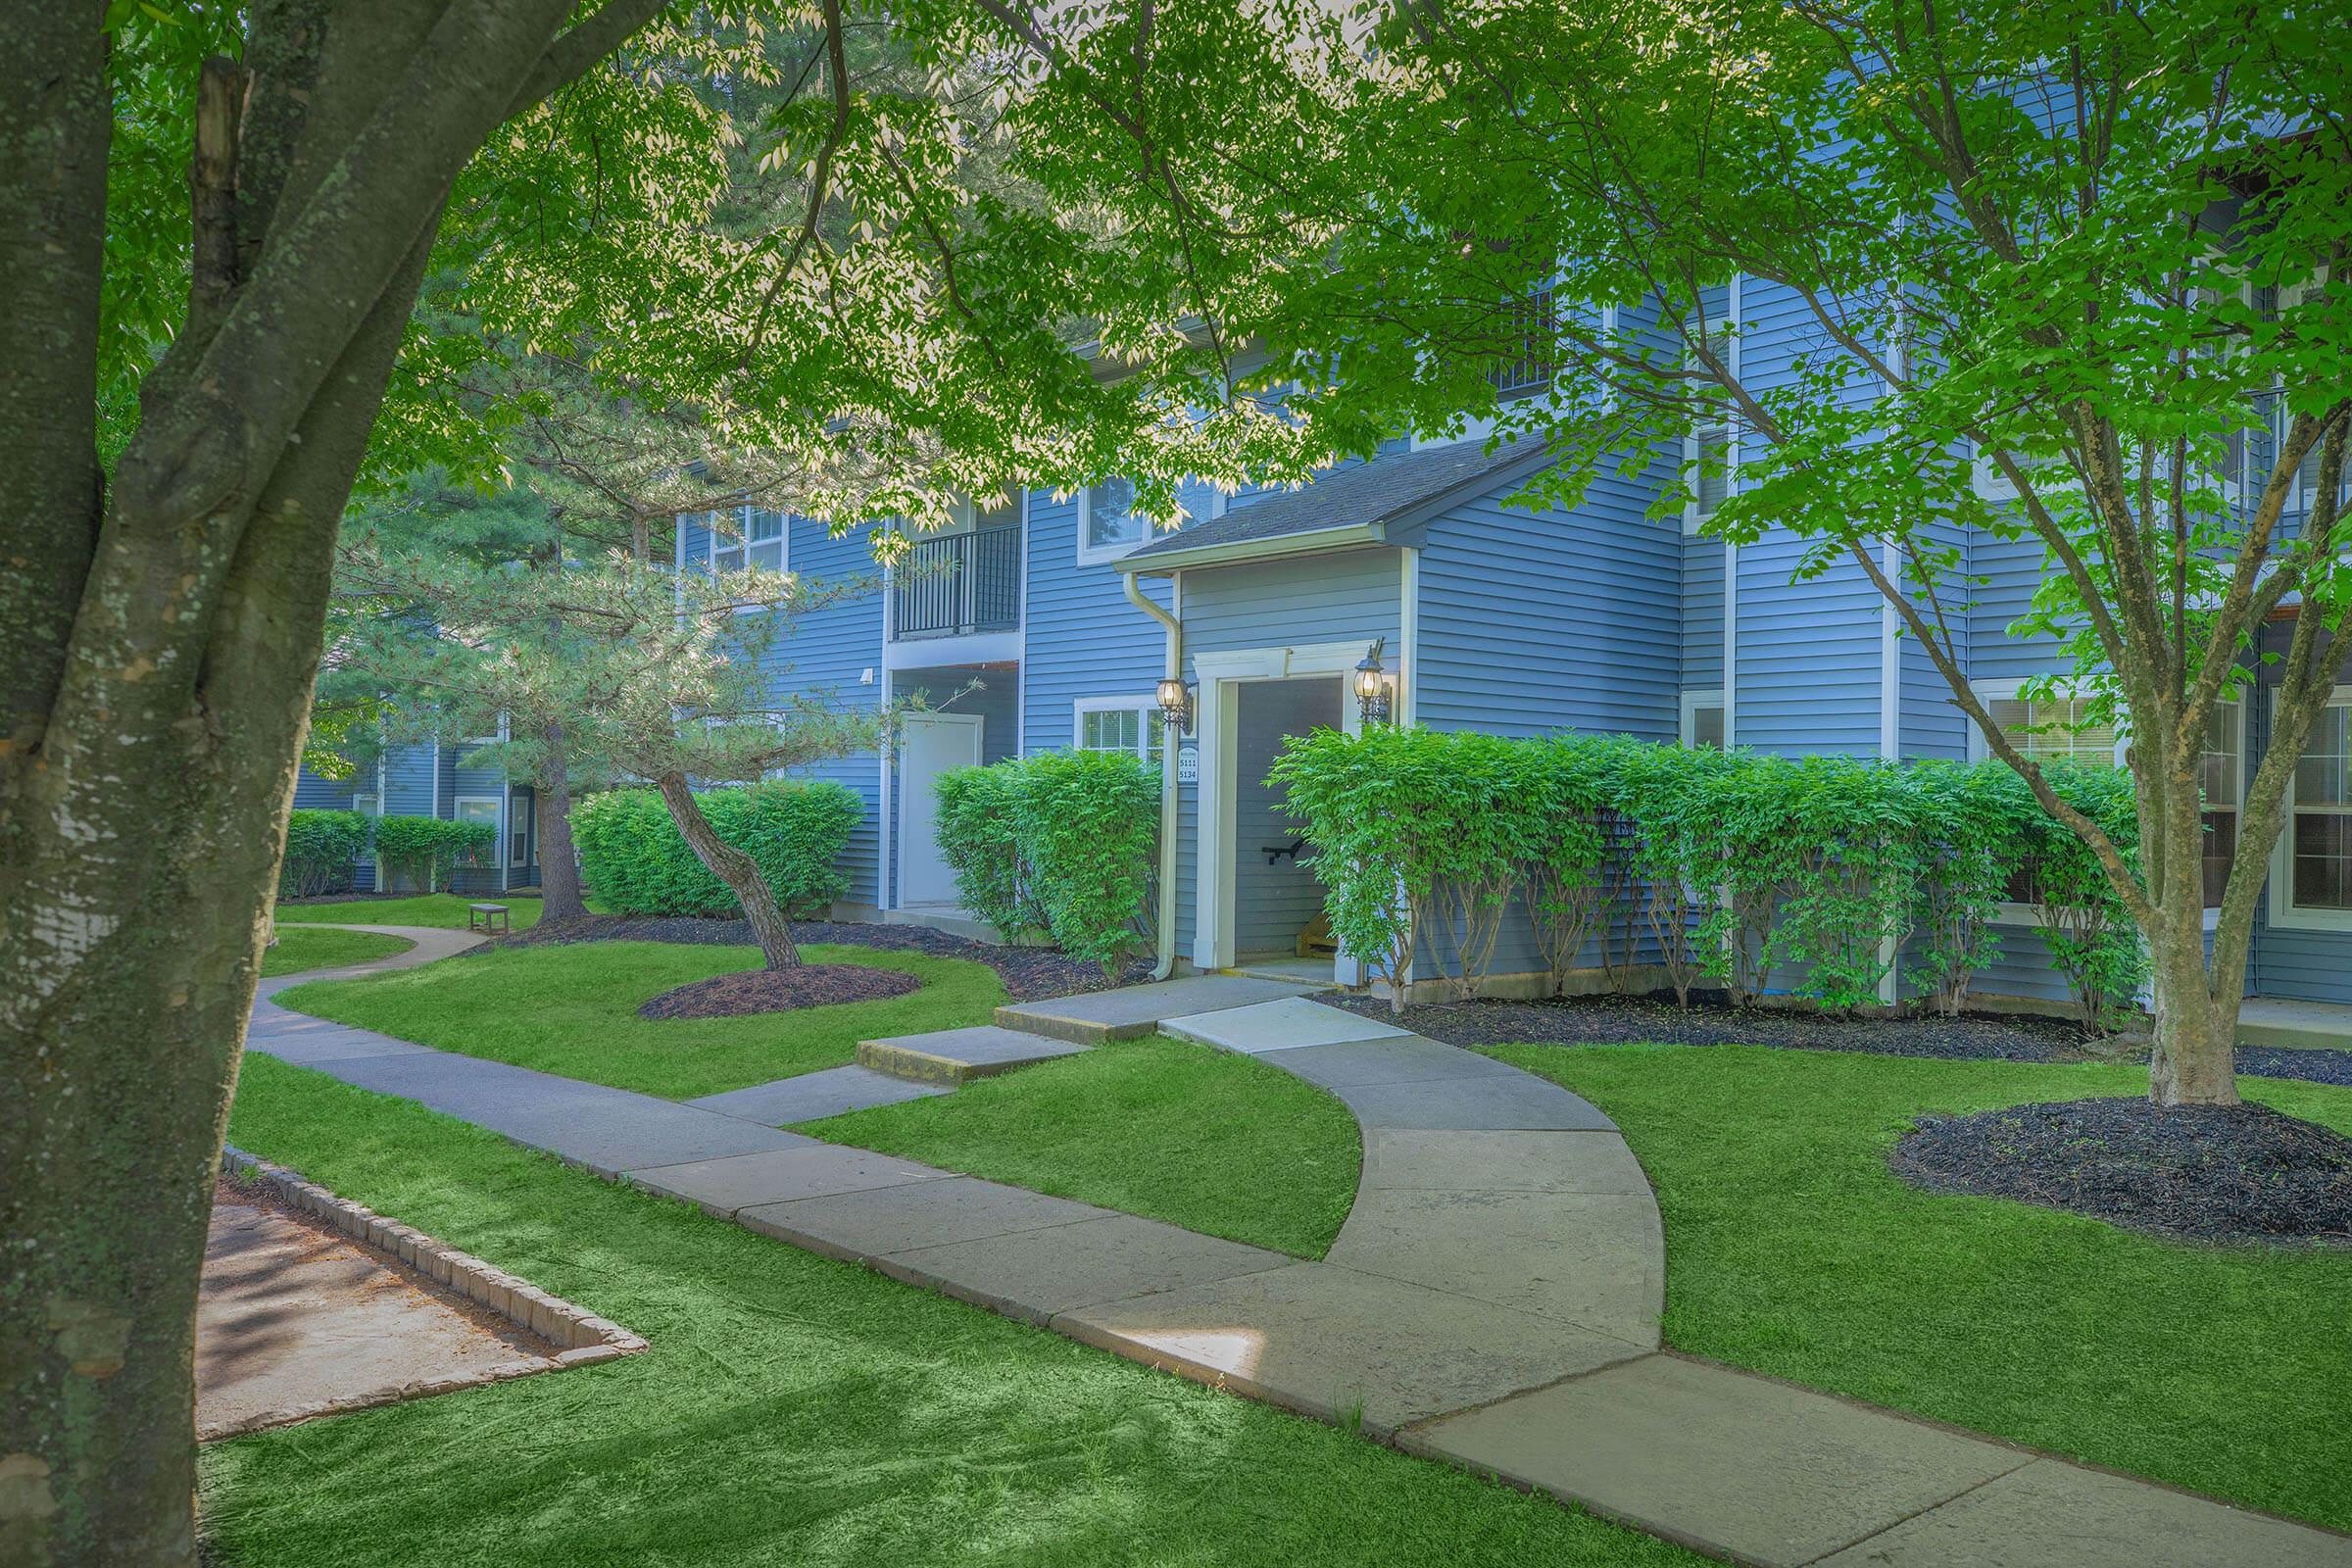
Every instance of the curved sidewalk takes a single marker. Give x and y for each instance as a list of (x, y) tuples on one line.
[(1493, 1298)]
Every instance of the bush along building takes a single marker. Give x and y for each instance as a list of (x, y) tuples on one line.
[(406, 783), (1408, 589)]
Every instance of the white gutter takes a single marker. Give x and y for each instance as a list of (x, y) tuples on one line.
[(1165, 960)]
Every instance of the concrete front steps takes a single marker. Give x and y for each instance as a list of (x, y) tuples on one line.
[(952, 1057), (1133, 1011)]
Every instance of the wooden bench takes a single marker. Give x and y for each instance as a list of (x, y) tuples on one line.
[(492, 918)]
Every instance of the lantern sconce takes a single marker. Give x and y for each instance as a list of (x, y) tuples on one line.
[(1372, 686), (1176, 704)]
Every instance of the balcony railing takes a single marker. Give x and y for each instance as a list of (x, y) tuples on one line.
[(958, 583)]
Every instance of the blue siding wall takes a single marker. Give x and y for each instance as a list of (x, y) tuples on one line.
[(1082, 637), (827, 655), (1533, 622)]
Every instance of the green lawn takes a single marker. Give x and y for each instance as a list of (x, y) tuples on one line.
[(295, 950), (425, 909), (1203, 1139), (572, 1010), (795, 1410), (1791, 1249)]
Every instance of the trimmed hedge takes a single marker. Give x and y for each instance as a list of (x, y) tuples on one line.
[(1732, 866), (427, 848), (1061, 846), (639, 863), (322, 847)]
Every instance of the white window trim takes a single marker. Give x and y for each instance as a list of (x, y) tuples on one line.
[(2283, 912), (1692, 701), (1147, 706)]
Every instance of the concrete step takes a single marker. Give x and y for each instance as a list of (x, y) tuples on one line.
[(2294, 1025), (1132, 1011), (959, 1055)]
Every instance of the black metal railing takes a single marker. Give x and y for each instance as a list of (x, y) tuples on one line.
[(959, 583)]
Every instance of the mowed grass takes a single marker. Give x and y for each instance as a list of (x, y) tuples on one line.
[(794, 1411), (1792, 1250), (298, 948), (425, 909), (1214, 1142), (572, 1010)]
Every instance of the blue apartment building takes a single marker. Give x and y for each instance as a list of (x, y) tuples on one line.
[(1048, 624)]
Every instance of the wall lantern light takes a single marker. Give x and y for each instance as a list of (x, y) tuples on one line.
[(1176, 704), (1371, 686)]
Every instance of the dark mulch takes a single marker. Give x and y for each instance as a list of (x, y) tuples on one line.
[(2317, 1066), (1028, 973), (1609, 1020), (2206, 1173), (810, 985)]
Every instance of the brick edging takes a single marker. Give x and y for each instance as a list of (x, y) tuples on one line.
[(585, 1338)]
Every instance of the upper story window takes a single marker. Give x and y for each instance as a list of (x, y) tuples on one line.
[(2054, 729), (1108, 525), (1525, 368), (1708, 451), (746, 537)]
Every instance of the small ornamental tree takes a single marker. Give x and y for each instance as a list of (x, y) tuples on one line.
[(1354, 798)]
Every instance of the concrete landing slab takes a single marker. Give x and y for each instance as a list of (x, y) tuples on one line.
[(1518, 1101), (872, 1224), (720, 1187), (2296, 1025), (1402, 1059), (608, 1130), (1592, 1260), (1135, 1010), (1280, 1025), (1406, 1159), (1034, 1274), (2053, 1512), (1738, 1466), (1337, 1345), (814, 1096), (952, 1056)]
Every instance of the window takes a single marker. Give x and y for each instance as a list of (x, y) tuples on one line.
[(743, 537), (2043, 729), (1120, 724), (2220, 770), (1703, 720), (1986, 473), (518, 844), (1708, 451), (1108, 525), (1526, 368), (2313, 884)]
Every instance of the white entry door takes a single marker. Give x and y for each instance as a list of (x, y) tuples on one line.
[(929, 744)]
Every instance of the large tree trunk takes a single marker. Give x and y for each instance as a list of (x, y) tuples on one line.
[(2196, 999), (559, 867), (736, 869), (159, 656)]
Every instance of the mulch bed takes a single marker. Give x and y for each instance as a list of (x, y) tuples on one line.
[(1028, 973), (810, 985), (2206, 1173), (1610, 1020)]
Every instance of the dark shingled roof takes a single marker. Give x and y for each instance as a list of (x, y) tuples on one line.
[(1386, 487)]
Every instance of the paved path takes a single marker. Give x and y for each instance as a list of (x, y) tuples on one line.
[(1493, 1299)]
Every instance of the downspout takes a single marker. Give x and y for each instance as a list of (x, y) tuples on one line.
[(1165, 963)]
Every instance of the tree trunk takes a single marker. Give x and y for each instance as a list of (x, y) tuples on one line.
[(559, 867), (736, 869), (2195, 1058)]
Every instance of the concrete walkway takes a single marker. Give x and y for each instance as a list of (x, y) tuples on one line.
[(1493, 1299)]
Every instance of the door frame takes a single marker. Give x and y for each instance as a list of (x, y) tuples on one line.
[(975, 725), (1222, 675)]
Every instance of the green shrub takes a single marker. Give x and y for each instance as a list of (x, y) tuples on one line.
[(978, 837), (424, 850), (320, 848), (1735, 865), (1062, 845), (795, 831)]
